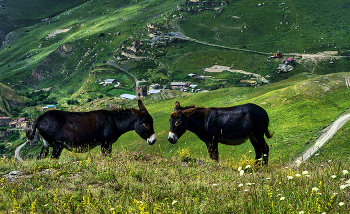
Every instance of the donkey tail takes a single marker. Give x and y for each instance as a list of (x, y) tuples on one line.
[(31, 132), (268, 133)]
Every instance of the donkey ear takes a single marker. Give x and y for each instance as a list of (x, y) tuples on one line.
[(177, 105), (189, 111), (141, 106), (137, 112)]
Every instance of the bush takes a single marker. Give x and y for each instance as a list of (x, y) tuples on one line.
[(14, 136), (72, 102)]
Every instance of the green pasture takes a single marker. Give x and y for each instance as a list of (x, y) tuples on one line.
[(299, 108)]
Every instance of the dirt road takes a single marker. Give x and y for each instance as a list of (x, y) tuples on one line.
[(328, 134), (17, 156)]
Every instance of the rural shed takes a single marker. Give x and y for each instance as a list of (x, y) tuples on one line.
[(48, 106), (109, 81), (175, 85), (128, 96), (153, 91)]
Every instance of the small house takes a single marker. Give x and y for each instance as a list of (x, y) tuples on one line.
[(287, 61), (47, 107), (193, 75), (153, 91), (127, 96), (278, 55), (109, 81), (4, 121), (177, 85), (154, 86)]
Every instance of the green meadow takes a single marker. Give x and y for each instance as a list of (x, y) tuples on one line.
[(84, 42)]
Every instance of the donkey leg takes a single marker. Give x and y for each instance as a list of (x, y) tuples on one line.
[(44, 150), (57, 150), (106, 148), (264, 147), (213, 150), (258, 151)]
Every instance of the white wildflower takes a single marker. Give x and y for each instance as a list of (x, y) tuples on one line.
[(345, 172), (241, 173), (298, 175), (343, 186), (290, 177), (240, 185), (247, 167), (333, 176), (341, 203), (305, 172), (282, 198), (315, 189)]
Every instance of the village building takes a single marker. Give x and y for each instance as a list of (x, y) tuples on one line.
[(287, 61), (109, 81), (47, 107), (192, 86), (177, 85), (193, 75), (127, 96), (22, 123), (141, 91), (154, 86), (4, 121), (153, 91), (12, 125), (4, 134)]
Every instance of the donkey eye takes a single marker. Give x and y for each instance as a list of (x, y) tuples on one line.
[(146, 126), (178, 123)]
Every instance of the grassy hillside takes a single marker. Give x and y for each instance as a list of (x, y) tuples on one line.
[(136, 182), (299, 108), (238, 34), (8, 99), (17, 14)]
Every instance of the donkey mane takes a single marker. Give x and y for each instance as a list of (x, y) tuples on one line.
[(175, 114)]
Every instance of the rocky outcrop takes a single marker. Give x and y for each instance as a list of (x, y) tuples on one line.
[(52, 64)]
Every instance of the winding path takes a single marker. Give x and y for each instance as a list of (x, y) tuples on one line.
[(331, 130), (17, 156), (125, 71)]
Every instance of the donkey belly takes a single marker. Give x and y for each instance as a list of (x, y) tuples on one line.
[(233, 142)]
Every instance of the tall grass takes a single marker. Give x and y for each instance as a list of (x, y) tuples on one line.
[(137, 182)]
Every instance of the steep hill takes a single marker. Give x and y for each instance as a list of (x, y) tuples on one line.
[(8, 99), (172, 39), (16, 14)]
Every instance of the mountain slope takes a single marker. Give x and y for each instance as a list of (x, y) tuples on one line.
[(8, 99), (241, 34)]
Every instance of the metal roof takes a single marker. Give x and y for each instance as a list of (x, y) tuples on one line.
[(128, 96)]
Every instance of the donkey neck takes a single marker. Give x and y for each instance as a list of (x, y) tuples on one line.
[(196, 121), (125, 120)]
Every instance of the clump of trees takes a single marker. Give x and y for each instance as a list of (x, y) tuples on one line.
[(40, 97)]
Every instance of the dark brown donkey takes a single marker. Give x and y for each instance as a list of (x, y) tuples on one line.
[(81, 131), (230, 126)]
